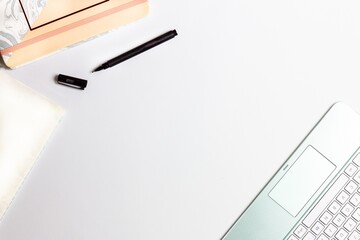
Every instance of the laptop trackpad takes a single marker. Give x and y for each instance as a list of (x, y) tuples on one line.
[(302, 181)]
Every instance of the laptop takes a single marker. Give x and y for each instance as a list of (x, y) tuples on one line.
[(315, 194)]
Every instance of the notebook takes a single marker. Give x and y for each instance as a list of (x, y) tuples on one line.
[(26, 122), (315, 194), (32, 29)]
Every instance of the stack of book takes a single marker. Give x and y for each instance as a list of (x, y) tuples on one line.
[(32, 29)]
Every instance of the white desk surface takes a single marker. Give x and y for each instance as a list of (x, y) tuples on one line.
[(175, 143)]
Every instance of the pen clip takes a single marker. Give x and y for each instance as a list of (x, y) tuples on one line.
[(72, 82)]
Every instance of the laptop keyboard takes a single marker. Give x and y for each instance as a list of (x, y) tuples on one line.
[(337, 214)]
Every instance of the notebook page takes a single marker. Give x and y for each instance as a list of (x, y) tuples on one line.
[(26, 121)]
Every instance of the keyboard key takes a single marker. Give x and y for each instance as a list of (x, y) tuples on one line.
[(354, 236), (356, 215), (357, 177), (351, 187), (334, 207), (351, 169), (339, 220), (341, 235), (343, 196), (350, 225), (355, 200), (300, 231), (357, 159), (309, 236), (292, 237), (330, 230), (317, 228), (347, 210), (326, 217), (325, 200), (323, 237)]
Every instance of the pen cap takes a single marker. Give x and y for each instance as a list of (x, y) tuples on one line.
[(72, 81)]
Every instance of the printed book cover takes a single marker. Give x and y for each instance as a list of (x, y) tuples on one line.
[(32, 29)]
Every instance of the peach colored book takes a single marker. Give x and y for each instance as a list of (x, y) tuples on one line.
[(34, 29)]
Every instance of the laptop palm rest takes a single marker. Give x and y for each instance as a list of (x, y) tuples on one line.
[(302, 181)]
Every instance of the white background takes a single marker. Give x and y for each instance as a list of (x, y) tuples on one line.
[(175, 143)]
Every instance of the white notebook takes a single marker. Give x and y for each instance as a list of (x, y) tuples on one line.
[(27, 120)]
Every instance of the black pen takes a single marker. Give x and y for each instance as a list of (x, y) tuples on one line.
[(140, 49)]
